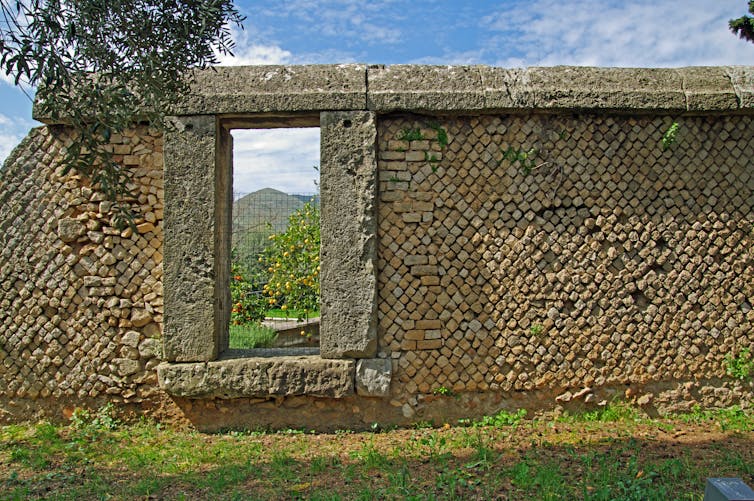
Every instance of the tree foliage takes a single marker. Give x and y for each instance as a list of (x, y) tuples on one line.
[(104, 65), (744, 26), (293, 262)]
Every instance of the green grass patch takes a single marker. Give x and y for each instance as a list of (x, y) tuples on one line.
[(292, 314), (615, 457), (248, 336)]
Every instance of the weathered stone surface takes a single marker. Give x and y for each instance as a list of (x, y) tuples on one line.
[(708, 89), (252, 89), (140, 317), (373, 376), (130, 338), (150, 348), (126, 366), (412, 87), (564, 87), (259, 377), (742, 79), (70, 229), (313, 88), (192, 254), (348, 191)]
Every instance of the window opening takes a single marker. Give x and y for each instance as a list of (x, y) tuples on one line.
[(274, 279)]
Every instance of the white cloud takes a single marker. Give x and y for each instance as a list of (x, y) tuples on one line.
[(12, 131), (275, 158), (249, 52), (598, 33)]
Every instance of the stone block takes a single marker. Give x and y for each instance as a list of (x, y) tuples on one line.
[(195, 251), (70, 229), (258, 377), (373, 376), (255, 89), (348, 188), (568, 87), (424, 88), (742, 79), (708, 89)]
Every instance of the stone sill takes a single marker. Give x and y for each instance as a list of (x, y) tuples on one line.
[(238, 375)]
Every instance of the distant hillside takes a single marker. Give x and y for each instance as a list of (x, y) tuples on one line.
[(259, 214)]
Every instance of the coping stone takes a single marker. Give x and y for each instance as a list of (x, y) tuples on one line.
[(258, 377), (607, 88), (708, 88), (271, 89), (348, 192), (424, 88), (189, 240), (742, 79)]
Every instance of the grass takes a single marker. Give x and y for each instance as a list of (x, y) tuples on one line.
[(278, 313), (616, 455), (248, 336)]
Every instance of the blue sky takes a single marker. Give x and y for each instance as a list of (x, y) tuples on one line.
[(510, 33)]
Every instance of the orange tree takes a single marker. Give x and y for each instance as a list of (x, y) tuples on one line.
[(292, 260), (249, 305)]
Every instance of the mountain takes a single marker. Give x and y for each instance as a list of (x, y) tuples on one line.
[(258, 215)]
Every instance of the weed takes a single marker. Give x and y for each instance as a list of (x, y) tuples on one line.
[(741, 366), (613, 412), (525, 158), (536, 329), (671, 136), (442, 135), (435, 446), (731, 419), (502, 418), (410, 134), (443, 390), (370, 457)]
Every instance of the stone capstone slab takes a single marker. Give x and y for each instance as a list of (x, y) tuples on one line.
[(411, 87), (260, 89), (259, 377), (484, 88), (276, 90), (373, 376), (348, 190), (742, 79)]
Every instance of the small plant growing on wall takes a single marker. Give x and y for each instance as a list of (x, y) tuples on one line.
[(292, 261), (671, 136), (740, 366), (526, 159), (410, 134)]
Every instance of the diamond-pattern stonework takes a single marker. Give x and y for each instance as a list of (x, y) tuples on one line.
[(80, 300), (614, 261)]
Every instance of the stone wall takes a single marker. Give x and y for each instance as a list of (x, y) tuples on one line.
[(613, 263), (614, 269), (80, 301)]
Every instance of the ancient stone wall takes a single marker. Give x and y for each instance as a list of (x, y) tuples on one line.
[(80, 300), (536, 246), (613, 262)]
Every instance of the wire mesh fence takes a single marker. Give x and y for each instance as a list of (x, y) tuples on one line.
[(255, 217)]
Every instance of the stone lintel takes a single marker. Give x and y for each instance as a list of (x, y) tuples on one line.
[(348, 190), (259, 377), (261, 89), (191, 253)]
